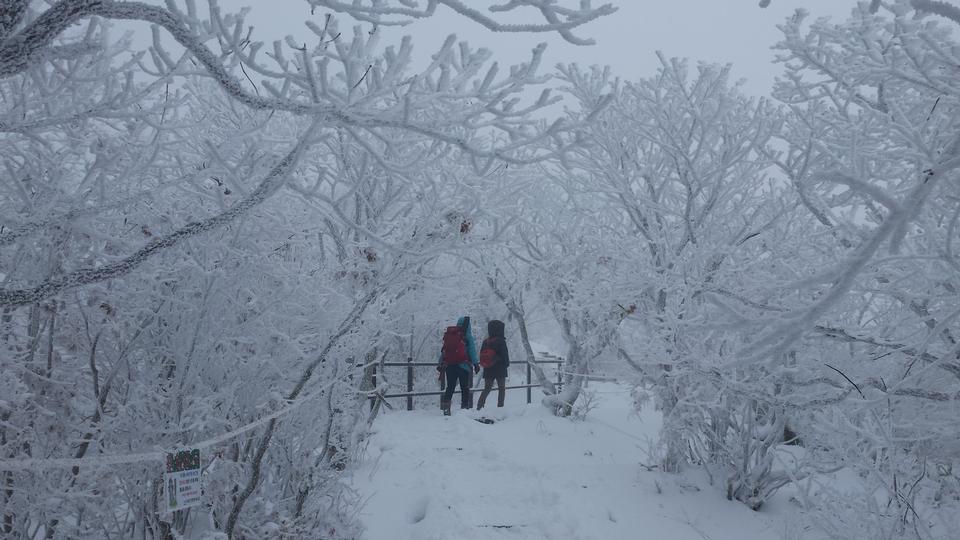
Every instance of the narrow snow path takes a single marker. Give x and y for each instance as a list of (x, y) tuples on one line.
[(531, 475)]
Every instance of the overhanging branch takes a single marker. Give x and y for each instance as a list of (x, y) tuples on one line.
[(85, 276)]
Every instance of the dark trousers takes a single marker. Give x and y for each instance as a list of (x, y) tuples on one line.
[(488, 386), (456, 374)]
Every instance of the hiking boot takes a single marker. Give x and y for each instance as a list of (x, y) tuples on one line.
[(445, 405)]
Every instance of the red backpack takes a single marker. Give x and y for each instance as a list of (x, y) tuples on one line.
[(454, 349), (488, 356)]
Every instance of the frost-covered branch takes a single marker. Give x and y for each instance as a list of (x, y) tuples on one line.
[(492, 105), (11, 13), (273, 181), (943, 9), (19, 50), (842, 335), (558, 18), (876, 384)]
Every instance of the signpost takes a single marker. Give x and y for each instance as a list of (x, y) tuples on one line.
[(182, 487)]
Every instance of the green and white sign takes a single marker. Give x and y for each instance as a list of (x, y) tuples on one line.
[(182, 487)]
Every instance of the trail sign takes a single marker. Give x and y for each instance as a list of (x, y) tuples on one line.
[(182, 487)]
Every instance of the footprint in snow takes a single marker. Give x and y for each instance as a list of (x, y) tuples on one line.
[(610, 516), (418, 510)]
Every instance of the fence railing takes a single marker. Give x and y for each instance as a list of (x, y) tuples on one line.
[(410, 394)]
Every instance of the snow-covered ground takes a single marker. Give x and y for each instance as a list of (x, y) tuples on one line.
[(535, 476)]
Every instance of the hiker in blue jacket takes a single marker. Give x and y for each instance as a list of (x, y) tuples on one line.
[(458, 353)]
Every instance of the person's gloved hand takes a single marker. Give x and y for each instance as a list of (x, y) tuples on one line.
[(439, 367), (476, 368)]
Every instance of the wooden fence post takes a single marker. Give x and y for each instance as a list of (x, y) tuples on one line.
[(529, 394), (442, 374), (409, 383)]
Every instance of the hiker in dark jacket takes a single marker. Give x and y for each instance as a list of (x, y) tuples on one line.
[(498, 371), (459, 371)]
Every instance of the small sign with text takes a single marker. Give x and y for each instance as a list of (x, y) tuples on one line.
[(181, 482)]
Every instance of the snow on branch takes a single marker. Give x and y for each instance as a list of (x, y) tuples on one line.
[(270, 185), (874, 4), (792, 326), (937, 7), (372, 93), (40, 464), (11, 13), (18, 51), (863, 187), (557, 18), (842, 335)]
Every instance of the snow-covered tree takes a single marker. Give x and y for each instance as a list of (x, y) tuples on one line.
[(838, 323), (865, 322), (200, 240), (678, 165)]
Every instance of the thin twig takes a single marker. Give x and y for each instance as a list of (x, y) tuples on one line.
[(848, 380)]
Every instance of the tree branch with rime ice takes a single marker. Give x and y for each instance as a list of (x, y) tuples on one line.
[(872, 153), (558, 19), (943, 9), (453, 102), (267, 187), (937, 7), (862, 94), (11, 13), (386, 100)]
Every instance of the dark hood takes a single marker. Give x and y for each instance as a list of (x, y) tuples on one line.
[(495, 328)]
